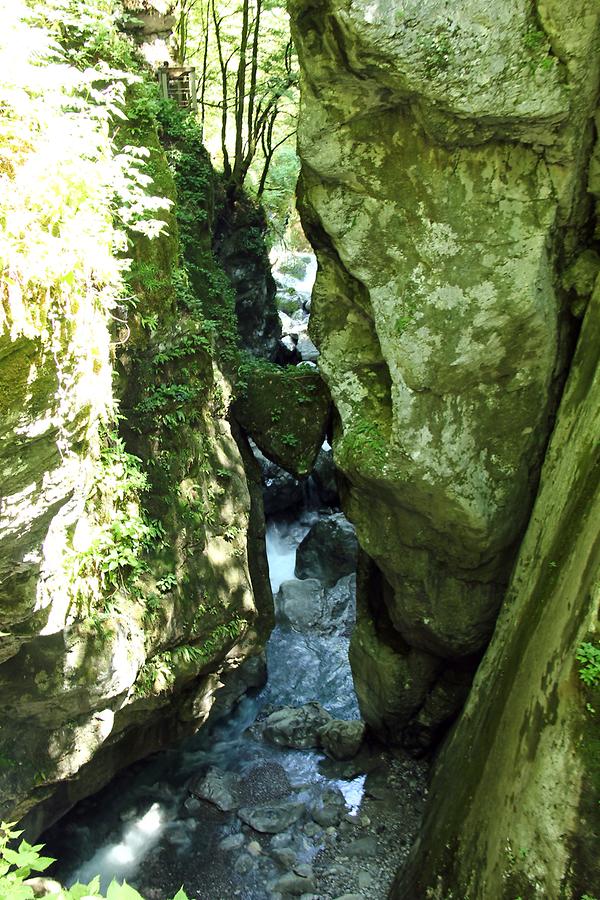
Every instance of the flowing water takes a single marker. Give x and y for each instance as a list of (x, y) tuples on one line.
[(140, 827), (148, 828)]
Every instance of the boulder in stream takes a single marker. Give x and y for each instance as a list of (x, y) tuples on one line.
[(300, 603), (341, 740), (329, 551), (272, 818), (294, 885), (329, 808), (297, 728), (303, 605), (219, 788), (307, 349)]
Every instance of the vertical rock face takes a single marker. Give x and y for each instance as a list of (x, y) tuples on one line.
[(240, 248), (513, 808), (133, 574), (444, 154)]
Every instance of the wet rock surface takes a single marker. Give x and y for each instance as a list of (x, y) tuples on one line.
[(237, 813), (329, 550), (296, 728), (340, 739)]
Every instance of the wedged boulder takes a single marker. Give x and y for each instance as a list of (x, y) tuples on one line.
[(340, 739), (285, 410), (298, 727), (272, 818), (328, 552), (220, 788)]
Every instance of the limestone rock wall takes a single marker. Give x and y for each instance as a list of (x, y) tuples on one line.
[(133, 574), (513, 808), (444, 157)]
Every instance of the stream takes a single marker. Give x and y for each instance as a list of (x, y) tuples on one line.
[(344, 826)]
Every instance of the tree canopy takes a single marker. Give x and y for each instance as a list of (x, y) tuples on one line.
[(247, 82)]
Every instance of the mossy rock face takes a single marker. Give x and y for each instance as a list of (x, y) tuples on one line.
[(513, 806), (92, 684), (443, 171), (286, 413), (240, 248)]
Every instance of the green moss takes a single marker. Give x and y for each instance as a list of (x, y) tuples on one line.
[(164, 670), (285, 410)]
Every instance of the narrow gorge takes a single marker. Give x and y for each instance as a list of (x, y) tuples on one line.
[(299, 449)]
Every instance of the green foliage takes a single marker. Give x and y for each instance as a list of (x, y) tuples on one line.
[(110, 554), (248, 82), (589, 656), (437, 49), (279, 194), (538, 47), (67, 195), (408, 309), (18, 864), (366, 440), (299, 381), (170, 405), (90, 33), (167, 584), (159, 673), (203, 290)]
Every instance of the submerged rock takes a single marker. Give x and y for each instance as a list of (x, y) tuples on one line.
[(219, 788), (272, 818), (264, 783)]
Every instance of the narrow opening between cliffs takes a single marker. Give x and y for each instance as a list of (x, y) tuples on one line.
[(280, 792)]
